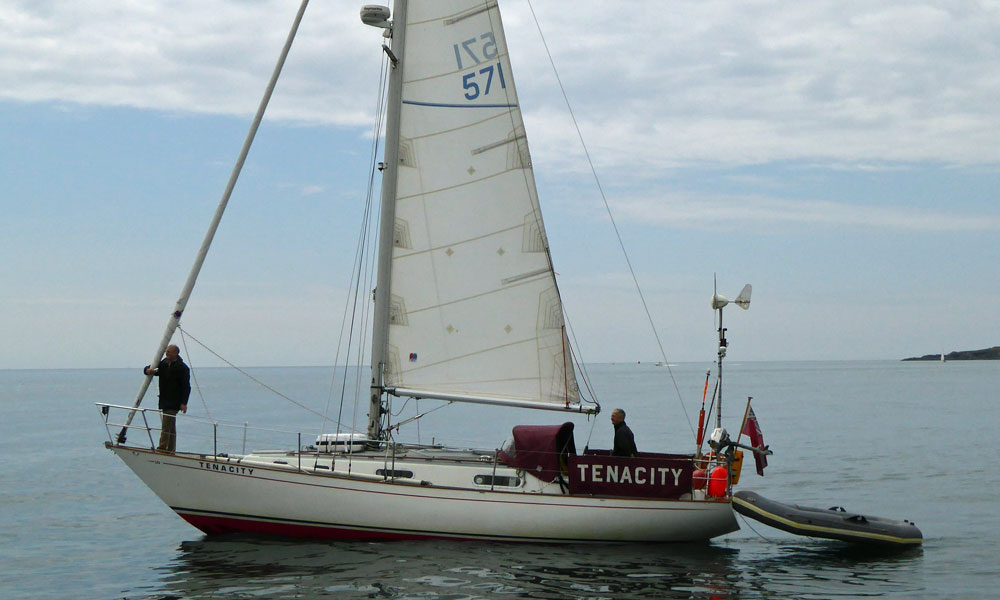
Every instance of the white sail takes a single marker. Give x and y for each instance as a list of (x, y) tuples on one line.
[(475, 311)]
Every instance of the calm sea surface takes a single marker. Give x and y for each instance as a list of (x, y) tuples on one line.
[(899, 440)]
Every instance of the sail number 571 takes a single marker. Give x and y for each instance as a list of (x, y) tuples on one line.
[(474, 52)]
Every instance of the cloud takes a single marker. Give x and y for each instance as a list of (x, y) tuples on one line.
[(706, 211), (726, 81), (303, 189), (188, 56), (312, 190), (750, 83)]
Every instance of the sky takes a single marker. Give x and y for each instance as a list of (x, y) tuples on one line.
[(840, 156)]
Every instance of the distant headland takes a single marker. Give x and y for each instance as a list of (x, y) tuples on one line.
[(984, 354)]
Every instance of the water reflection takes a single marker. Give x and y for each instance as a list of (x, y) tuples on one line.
[(806, 568), (244, 566), (241, 566)]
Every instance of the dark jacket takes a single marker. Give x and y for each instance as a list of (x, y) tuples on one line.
[(175, 384), (624, 441)]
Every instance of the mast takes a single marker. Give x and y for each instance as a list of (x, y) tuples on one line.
[(175, 317), (380, 329), (722, 354), (718, 303)]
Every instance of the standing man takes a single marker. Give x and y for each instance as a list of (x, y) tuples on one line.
[(175, 388), (624, 440)]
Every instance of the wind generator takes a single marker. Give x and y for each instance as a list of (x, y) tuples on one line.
[(718, 303)]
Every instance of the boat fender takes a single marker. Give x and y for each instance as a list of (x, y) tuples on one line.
[(717, 482), (699, 479)]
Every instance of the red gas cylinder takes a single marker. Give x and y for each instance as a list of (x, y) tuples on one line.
[(698, 479), (717, 482)]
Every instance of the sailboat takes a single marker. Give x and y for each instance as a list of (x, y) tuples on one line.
[(466, 309)]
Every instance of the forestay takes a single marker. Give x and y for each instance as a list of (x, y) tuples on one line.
[(475, 311)]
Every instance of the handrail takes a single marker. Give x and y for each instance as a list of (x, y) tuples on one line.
[(215, 437), (128, 424), (486, 456), (275, 448), (210, 438)]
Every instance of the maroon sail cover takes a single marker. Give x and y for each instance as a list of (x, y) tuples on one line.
[(538, 449)]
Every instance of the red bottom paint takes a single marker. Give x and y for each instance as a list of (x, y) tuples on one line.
[(220, 525)]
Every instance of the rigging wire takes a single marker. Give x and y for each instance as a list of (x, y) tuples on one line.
[(573, 348), (193, 374), (363, 274), (351, 301), (248, 375), (590, 434), (371, 227), (174, 322), (336, 359), (402, 408), (343, 325), (416, 417), (747, 523), (711, 405), (607, 207), (577, 357), (368, 264)]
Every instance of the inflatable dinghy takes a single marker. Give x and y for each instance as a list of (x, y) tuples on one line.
[(834, 523)]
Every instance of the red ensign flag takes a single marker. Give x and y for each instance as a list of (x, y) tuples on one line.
[(752, 430)]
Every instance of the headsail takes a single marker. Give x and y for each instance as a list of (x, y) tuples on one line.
[(474, 308)]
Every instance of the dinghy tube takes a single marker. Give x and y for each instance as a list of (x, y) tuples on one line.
[(834, 523)]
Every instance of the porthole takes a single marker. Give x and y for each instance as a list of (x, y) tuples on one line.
[(394, 474), (497, 480)]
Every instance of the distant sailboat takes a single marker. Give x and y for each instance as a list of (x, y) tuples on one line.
[(466, 309)]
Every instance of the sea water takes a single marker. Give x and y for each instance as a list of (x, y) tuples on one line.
[(892, 439)]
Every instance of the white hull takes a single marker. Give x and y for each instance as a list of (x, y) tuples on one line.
[(219, 495)]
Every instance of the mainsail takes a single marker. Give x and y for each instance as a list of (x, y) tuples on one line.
[(474, 311)]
